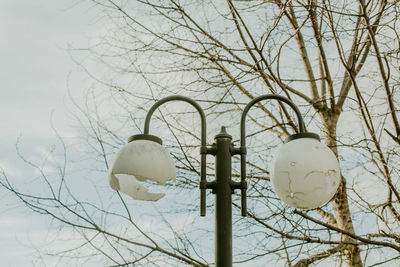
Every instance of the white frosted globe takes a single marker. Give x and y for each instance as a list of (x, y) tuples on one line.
[(141, 160), (305, 173)]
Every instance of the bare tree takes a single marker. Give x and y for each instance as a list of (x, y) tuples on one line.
[(339, 60)]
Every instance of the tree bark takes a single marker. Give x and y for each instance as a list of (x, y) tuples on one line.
[(340, 202)]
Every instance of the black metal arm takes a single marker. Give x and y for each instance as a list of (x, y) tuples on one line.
[(203, 149), (242, 151)]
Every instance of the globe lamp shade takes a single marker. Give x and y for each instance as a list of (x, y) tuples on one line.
[(142, 159), (305, 173)]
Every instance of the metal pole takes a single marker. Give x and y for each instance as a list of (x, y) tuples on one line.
[(223, 197)]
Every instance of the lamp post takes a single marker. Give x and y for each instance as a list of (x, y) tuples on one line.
[(305, 173)]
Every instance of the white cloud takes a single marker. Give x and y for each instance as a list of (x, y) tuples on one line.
[(9, 168), (34, 70)]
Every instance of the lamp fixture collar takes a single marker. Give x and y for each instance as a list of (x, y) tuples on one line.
[(147, 137), (302, 135)]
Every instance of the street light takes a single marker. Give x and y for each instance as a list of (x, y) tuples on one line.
[(305, 173)]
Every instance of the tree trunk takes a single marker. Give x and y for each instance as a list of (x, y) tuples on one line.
[(340, 202)]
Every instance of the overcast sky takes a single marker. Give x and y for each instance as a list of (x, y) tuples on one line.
[(35, 69), (36, 72)]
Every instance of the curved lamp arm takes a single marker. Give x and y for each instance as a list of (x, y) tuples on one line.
[(243, 138), (203, 148)]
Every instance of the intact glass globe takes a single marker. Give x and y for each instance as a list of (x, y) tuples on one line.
[(305, 173)]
